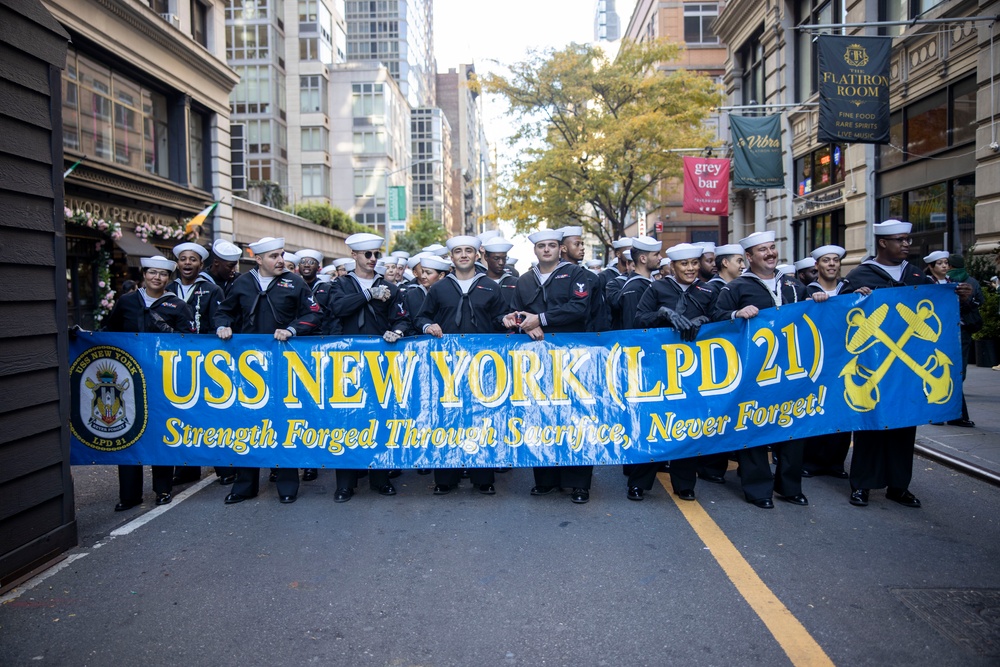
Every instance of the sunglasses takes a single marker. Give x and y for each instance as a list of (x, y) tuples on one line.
[(905, 240), (373, 253)]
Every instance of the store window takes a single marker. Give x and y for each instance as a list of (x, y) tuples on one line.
[(819, 169), (942, 120), (942, 214)]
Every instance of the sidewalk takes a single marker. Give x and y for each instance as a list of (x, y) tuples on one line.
[(972, 450)]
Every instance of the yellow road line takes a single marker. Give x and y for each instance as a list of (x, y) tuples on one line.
[(790, 634)]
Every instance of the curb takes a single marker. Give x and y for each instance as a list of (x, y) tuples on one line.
[(958, 464)]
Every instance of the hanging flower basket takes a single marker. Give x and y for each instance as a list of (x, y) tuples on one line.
[(105, 296), (173, 231), (82, 218)]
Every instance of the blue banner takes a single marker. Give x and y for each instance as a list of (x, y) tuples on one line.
[(888, 360)]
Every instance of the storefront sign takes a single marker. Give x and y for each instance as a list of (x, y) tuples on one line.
[(131, 216), (757, 152), (854, 89), (706, 185)]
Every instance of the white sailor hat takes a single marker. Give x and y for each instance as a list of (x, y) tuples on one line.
[(828, 250), (654, 272), (193, 247), (290, 258), (805, 263), (434, 262), (511, 260), (889, 227), (785, 268), (684, 251), (267, 244), (627, 255), (546, 235), (341, 261), (364, 241), (408, 275), (490, 234), (395, 261), (329, 269), (311, 254), (417, 259), (936, 255), (624, 242), (571, 231), (400, 253), (158, 262), (350, 265), (436, 249), (646, 244), (594, 263), (497, 244), (730, 249), (708, 246), (380, 266), (756, 239), (463, 242), (226, 251), (665, 262)]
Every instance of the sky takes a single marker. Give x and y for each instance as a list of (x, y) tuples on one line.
[(504, 32)]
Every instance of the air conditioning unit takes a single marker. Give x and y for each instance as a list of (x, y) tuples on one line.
[(172, 19)]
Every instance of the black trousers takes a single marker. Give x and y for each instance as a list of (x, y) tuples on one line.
[(130, 482), (248, 481), (883, 458), (713, 465), (966, 345), (825, 454), (347, 478), (187, 473), (683, 474), (572, 477), (755, 471), (452, 476)]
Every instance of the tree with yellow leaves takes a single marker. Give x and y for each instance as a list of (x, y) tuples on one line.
[(595, 135)]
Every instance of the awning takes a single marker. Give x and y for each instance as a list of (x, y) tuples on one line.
[(135, 248)]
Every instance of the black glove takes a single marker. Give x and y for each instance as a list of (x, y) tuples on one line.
[(675, 320), (692, 333)]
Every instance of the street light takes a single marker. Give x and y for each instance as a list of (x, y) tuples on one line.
[(396, 171)]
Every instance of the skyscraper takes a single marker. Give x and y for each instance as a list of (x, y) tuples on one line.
[(607, 25)]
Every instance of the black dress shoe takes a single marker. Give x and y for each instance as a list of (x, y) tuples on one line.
[(163, 499), (273, 477), (714, 479), (309, 474), (542, 490), (797, 499), (502, 469), (859, 497), (286, 500), (234, 498), (763, 503), (121, 507), (442, 489), (487, 489), (393, 474), (423, 471), (686, 494), (634, 493), (904, 498), (226, 480), (580, 496), (183, 479), (840, 474), (342, 495), (386, 490), (809, 473), (964, 423)]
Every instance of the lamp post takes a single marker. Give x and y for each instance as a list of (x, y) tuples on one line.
[(396, 171)]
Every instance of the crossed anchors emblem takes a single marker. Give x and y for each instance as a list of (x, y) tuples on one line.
[(863, 331)]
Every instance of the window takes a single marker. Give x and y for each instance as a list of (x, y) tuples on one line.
[(315, 180), (943, 214), (370, 219), (903, 10), (110, 117), (751, 59), (315, 48), (248, 41), (368, 100), (811, 12), (196, 149), (199, 23), (370, 183), (698, 23), (259, 135), (934, 123), (315, 139), (312, 93), (369, 142), (253, 93), (821, 168)]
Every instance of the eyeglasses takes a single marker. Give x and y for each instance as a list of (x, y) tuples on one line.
[(157, 273), (905, 240), (372, 253)]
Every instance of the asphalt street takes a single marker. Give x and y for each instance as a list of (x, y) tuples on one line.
[(466, 579)]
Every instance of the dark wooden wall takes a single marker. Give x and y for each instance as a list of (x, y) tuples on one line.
[(37, 521)]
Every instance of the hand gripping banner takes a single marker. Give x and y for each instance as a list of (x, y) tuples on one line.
[(883, 361)]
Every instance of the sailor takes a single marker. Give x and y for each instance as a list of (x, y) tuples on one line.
[(362, 303), (494, 251), (465, 301), (268, 300), (762, 286), (682, 302), (410, 300), (309, 263), (805, 270), (223, 265), (707, 270), (204, 298), (616, 269), (150, 309), (553, 297)]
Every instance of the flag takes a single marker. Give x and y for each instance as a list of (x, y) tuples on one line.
[(73, 166), (706, 185), (757, 151), (854, 89), (199, 220)]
